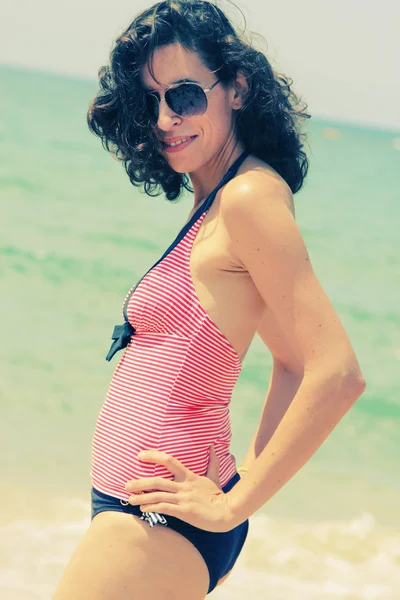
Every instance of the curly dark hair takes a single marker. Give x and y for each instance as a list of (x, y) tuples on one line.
[(267, 124)]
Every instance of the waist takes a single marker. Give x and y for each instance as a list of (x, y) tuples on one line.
[(95, 493), (115, 457)]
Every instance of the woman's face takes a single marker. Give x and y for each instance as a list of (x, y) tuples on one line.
[(212, 131)]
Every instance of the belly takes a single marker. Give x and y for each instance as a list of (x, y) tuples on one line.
[(157, 399)]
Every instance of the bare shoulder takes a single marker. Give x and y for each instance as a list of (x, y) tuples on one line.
[(257, 181), (258, 214)]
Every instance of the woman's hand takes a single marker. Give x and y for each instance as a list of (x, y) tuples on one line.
[(197, 500)]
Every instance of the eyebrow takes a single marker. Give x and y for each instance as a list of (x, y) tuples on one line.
[(184, 80)]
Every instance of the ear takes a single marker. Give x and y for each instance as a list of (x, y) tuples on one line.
[(240, 91)]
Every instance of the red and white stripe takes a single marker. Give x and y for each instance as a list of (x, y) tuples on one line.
[(172, 386)]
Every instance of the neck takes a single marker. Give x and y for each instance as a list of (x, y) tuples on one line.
[(206, 179)]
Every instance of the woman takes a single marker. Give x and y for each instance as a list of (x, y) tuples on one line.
[(185, 94)]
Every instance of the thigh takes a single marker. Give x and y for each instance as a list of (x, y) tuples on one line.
[(121, 557)]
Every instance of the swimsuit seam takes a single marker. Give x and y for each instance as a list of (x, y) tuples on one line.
[(173, 387)]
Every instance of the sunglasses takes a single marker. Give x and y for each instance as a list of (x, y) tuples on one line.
[(185, 99)]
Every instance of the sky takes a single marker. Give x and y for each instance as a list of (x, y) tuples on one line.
[(343, 55)]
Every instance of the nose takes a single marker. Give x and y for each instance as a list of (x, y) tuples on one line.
[(167, 118)]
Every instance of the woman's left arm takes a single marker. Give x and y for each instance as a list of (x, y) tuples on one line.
[(265, 239)]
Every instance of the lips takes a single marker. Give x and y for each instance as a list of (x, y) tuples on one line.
[(180, 146), (167, 141)]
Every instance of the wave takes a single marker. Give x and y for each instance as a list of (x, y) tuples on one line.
[(281, 560)]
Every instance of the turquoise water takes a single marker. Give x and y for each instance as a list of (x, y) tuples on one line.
[(75, 235)]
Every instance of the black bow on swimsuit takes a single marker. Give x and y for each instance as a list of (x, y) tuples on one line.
[(121, 335)]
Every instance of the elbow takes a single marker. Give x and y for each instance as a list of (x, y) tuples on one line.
[(353, 380), (354, 385), (361, 384), (354, 377), (343, 376), (344, 384), (342, 380)]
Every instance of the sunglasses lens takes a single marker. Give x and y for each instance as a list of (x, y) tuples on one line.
[(187, 100)]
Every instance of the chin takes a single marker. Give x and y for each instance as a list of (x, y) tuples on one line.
[(180, 165)]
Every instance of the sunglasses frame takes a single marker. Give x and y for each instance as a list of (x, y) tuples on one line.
[(177, 85)]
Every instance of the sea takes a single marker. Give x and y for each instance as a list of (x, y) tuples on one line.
[(75, 235)]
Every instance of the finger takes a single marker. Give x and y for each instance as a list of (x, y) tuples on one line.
[(169, 462), (152, 483), (153, 498), (164, 508)]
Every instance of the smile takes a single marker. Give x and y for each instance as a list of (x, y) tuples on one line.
[(178, 144)]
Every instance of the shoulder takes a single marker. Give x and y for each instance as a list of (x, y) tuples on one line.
[(257, 191), (257, 209)]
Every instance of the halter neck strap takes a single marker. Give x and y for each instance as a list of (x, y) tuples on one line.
[(122, 333)]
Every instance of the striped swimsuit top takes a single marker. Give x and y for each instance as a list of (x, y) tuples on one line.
[(172, 387)]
